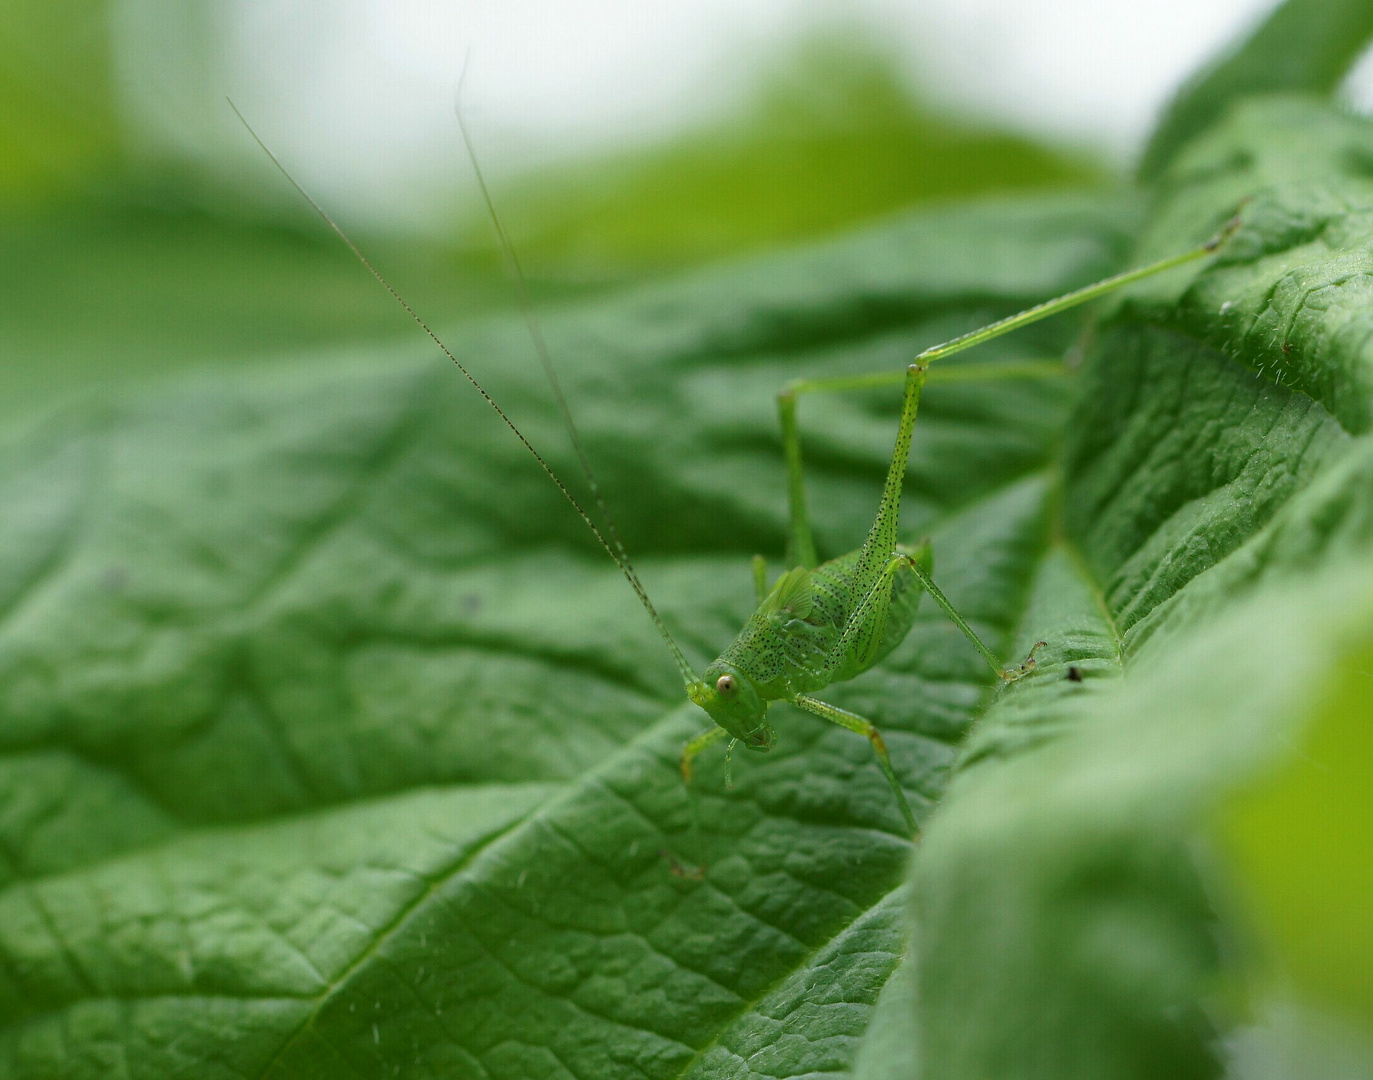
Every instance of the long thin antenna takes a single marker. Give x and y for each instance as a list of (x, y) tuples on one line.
[(689, 676), (541, 346)]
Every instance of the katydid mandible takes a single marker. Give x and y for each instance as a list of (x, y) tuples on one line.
[(818, 623)]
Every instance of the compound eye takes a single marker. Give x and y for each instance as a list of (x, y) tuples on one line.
[(725, 685)]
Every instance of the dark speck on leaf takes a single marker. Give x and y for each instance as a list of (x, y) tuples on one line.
[(1074, 673), (677, 869)]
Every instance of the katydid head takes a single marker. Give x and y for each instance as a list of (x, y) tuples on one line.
[(730, 699)]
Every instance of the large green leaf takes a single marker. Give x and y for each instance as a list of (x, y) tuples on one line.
[(332, 743), (1220, 455)]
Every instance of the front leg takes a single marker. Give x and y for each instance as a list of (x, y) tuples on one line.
[(696, 745)]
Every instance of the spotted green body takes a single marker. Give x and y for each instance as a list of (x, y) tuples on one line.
[(785, 647), (823, 623)]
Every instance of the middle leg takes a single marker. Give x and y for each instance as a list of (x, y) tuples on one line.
[(801, 550), (854, 722)]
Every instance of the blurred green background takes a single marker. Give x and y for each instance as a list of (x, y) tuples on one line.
[(129, 251)]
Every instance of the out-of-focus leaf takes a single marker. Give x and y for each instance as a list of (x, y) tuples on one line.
[(59, 128), (1303, 839), (102, 297), (1305, 46), (1072, 872), (830, 137)]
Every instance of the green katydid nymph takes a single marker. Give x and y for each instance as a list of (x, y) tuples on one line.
[(819, 623), (823, 623)]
